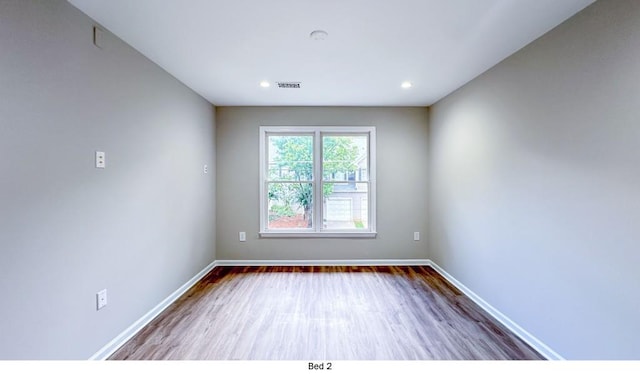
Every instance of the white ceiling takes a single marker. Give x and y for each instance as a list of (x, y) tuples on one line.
[(223, 49)]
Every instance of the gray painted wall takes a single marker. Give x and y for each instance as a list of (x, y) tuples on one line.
[(535, 193), (402, 136), (141, 227)]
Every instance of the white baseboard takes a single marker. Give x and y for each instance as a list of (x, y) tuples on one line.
[(132, 330), (322, 262), (523, 334), (118, 341)]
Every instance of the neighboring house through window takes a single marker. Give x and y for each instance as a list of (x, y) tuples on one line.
[(317, 181)]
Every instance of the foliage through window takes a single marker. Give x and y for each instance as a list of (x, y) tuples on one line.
[(317, 181)]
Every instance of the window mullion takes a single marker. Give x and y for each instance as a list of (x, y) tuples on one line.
[(317, 179)]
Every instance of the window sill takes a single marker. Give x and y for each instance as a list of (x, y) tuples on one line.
[(324, 234)]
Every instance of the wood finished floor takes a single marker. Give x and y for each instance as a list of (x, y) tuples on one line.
[(324, 313)]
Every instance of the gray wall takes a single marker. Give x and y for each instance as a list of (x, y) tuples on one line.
[(140, 228), (535, 193), (402, 183)]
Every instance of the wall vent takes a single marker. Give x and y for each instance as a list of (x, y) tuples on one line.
[(288, 84)]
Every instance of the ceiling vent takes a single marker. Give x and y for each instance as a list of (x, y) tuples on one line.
[(288, 84)]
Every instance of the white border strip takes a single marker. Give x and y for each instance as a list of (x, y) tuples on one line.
[(132, 330), (523, 334), (321, 262)]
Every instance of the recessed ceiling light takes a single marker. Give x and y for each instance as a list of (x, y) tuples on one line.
[(319, 35), (406, 84), (265, 84)]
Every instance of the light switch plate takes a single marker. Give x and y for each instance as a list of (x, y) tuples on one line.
[(243, 236), (416, 236)]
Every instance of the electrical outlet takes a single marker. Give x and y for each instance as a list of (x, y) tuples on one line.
[(101, 299), (416, 236), (101, 160), (205, 169), (243, 236)]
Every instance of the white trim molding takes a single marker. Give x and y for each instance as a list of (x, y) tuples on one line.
[(316, 181), (130, 332), (323, 234), (523, 334), (138, 325), (368, 262)]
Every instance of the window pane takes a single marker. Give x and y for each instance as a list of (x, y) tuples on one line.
[(290, 157), (345, 158), (290, 205), (346, 206)]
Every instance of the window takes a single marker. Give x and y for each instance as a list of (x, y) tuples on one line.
[(317, 181)]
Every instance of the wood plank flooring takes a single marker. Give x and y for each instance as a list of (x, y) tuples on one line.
[(324, 313)]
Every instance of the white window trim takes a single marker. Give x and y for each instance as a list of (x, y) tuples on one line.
[(318, 231)]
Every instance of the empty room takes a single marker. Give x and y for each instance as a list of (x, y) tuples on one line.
[(320, 181)]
